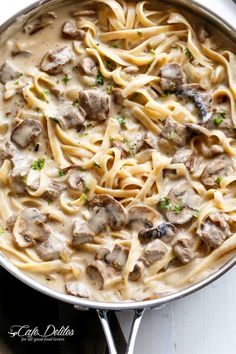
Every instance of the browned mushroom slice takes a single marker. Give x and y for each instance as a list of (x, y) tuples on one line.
[(154, 251), (101, 253), (8, 71), (136, 273), (215, 171), (81, 233), (201, 98), (185, 156), (70, 30), (95, 272), (54, 61), (77, 288), (26, 132), (214, 230), (165, 231), (174, 132), (117, 258), (179, 214), (171, 76), (142, 216), (54, 190), (50, 249), (89, 67), (106, 211), (183, 251), (39, 23), (71, 117), (30, 227), (95, 103)]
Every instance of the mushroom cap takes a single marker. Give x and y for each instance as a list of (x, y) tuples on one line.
[(143, 215)]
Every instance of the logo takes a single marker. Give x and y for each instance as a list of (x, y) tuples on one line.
[(49, 334)]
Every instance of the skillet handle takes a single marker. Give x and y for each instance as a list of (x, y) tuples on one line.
[(138, 314)]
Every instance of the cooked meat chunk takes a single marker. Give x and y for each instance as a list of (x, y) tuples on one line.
[(183, 251), (165, 231), (77, 288), (71, 31), (54, 61), (39, 23), (185, 156), (81, 233), (95, 103), (106, 211), (215, 171), (54, 190), (89, 66), (117, 257), (201, 98), (71, 117), (8, 71), (117, 96), (153, 252), (26, 132), (174, 132), (80, 181), (131, 69), (171, 76), (95, 272), (215, 229), (50, 249), (136, 273), (29, 228), (6, 152), (101, 253), (142, 216)]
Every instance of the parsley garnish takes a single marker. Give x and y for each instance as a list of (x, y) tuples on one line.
[(122, 122), (110, 64), (153, 51), (55, 120), (196, 213), (75, 102), (189, 55), (17, 82), (177, 208), (164, 203), (1, 230), (100, 80), (218, 180), (61, 173), (218, 118), (37, 165), (110, 88), (66, 79)]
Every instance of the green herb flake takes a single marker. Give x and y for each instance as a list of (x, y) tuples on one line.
[(55, 120), (49, 201), (1, 230), (66, 79), (61, 172), (83, 197), (218, 180), (38, 165), (83, 135), (122, 122), (153, 51), (218, 118), (189, 55), (96, 164), (110, 64), (177, 208), (164, 203), (17, 83), (196, 213), (100, 80), (75, 102), (110, 88)]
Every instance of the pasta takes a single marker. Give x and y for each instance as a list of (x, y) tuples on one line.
[(117, 150)]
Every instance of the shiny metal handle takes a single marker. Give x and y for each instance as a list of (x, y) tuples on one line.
[(138, 314)]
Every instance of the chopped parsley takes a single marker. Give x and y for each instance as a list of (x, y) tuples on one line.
[(44, 93), (166, 93), (38, 165), (110, 88), (110, 64), (96, 164), (49, 201), (153, 51), (177, 208), (61, 173), (83, 197), (196, 213), (75, 102), (1, 230), (189, 55), (83, 135), (100, 80), (55, 120), (219, 179), (218, 118), (17, 83), (164, 203), (122, 122), (66, 79)]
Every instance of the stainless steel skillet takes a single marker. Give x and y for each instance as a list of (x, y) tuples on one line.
[(103, 307)]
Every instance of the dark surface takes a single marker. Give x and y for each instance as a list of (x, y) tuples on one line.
[(21, 305)]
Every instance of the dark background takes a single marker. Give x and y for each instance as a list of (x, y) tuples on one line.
[(21, 305)]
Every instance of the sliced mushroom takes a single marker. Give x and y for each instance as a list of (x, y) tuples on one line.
[(54, 61), (142, 216), (183, 251), (70, 30), (29, 228), (185, 156), (153, 252), (26, 132), (117, 258), (106, 211), (136, 273), (39, 23), (54, 189), (101, 253), (21, 52), (71, 117), (81, 233), (171, 76), (223, 121), (50, 249), (215, 229), (89, 66), (8, 71), (174, 132), (215, 171), (201, 98), (165, 231), (80, 181), (95, 272), (95, 103), (77, 288), (180, 217)]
